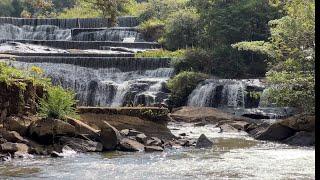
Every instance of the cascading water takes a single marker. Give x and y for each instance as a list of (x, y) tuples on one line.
[(221, 93), (42, 32), (108, 86)]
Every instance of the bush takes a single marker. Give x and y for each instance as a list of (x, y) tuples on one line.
[(152, 29), (162, 54), (58, 103), (182, 85), (182, 29)]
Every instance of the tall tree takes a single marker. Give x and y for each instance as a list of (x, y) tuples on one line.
[(291, 52)]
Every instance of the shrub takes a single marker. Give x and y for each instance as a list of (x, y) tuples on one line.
[(182, 29), (152, 29), (182, 85), (58, 103), (162, 54)]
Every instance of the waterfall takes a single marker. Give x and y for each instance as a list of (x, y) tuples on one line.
[(107, 86), (224, 93), (42, 32)]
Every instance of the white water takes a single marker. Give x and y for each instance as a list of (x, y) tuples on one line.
[(106, 87)]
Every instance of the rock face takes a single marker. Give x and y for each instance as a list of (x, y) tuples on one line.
[(300, 123), (202, 114), (275, 132), (12, 136), (109, 137), (18, 124), (45, 130), (83, 129), (81, 145), (14, 147), (204, 142), (130, 145)]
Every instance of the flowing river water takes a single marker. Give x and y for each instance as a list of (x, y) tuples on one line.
[(234, 156)]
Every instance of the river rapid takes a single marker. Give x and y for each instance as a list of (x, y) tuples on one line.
[(234, 156)]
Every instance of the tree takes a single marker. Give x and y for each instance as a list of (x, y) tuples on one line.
[(38, 8), (110, 8), (291, 52), (6, 8)]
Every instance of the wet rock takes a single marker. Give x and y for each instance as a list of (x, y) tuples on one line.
[(204, 142), (227, 128), (130, 145), (154, 141), (200, 124), (22, 155), (10, 147), (81, 145), (45, 130), (5, 157), (124, 132), (83, 129), (153, 149), (141, 138), (2, 140), (109, 137), (55, 154), (183, 134), (301, 138), (275, 132)]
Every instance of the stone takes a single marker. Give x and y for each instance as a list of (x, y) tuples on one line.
[(81, 145), (301, 138), (109, 137), (124, 132), (18, 124), (275, 132), (83, 128), (153, 148), (154, 141), (204, 142), (133, 132), (300, 122), (130, 145), (12, 136), (46, 129), (5, 157), (55, 154), (2, 140), (228, 128), (10, 147), (141, 138), (183, 134), (22, 155), (200, 124)]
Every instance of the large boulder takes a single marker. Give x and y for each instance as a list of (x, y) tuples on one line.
[(130, 145), (300, 122), (81, 145), (275, 132), (109, 137), (18, 124), (11, 136), (204, 142), (10, 147), (46, 129), (83, 128), (301, 138), (203, 114)]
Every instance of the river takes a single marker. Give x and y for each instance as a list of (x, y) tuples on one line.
[(234, 156)]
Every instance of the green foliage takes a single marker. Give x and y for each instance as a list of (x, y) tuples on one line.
[(182, 85), (6, 8), (13, 76), (81, 9), (162, 54), (291, 49), (161, 9), (182, 29), (152, 29), (58, 103)]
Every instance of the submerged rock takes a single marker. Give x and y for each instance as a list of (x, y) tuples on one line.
[(109, 137), (130, 145), (81, 145), (153, 148), (204, 142)]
